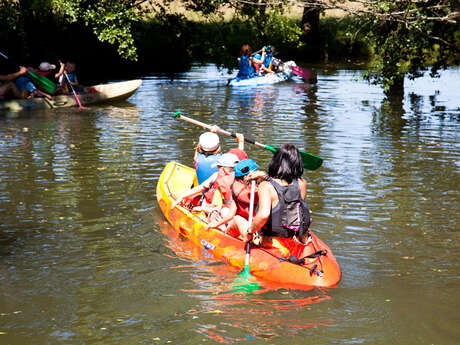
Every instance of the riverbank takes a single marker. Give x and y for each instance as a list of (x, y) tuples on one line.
[(170, 43)]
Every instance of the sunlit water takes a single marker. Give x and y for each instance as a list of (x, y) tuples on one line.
[(87, 258)]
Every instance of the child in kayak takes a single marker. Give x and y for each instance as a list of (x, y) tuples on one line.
[(262, 62), (66, 83), (241, 192), (208, 151), (217, 200)]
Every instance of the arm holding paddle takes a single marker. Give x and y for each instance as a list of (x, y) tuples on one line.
[(238, 136), (12, 76), (263, 211)]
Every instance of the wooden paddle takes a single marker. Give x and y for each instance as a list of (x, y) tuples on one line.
[(310, 162)]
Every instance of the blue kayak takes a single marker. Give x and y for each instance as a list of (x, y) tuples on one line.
[(285, 74)]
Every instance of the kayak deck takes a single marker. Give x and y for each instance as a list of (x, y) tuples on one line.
[(265, 264)]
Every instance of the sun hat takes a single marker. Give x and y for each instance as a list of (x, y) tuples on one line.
[(209, 141), (227, 160), (46, 66), (244, 167), (239, 153)]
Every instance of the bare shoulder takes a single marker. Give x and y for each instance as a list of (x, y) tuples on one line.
[(302, 182), (266, 187), (303, 187)]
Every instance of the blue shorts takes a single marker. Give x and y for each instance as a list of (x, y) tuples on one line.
[(24, 83)]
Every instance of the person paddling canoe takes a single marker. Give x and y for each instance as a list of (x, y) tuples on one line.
[(283, 216)]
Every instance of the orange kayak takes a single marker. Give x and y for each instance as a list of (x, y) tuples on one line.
[(319, 269)]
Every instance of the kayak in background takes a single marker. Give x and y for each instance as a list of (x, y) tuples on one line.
[(93, 94), (285, 73)]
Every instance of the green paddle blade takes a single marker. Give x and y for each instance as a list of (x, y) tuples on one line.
[(42, 82), (310, 162), (243, 284)]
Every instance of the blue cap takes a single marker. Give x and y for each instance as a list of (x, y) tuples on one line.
[(257, 56), (244, 167)]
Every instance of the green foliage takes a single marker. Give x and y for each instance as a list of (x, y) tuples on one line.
[(282, 31), (408, 46), (110, 20), (406, 38)]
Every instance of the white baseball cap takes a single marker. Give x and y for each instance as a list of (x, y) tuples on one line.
[(46, 66), (209, 141), (227, 160)]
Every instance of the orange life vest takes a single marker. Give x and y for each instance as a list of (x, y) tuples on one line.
[(222, 183)]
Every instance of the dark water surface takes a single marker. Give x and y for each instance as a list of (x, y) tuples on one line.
[(87, 258)]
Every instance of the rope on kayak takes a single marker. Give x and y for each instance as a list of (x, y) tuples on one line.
[(301, 261), (316, 255)]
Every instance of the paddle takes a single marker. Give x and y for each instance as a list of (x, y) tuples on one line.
[(301, 72), (242, 281), (39, 80), (74, 93), (310, 162)]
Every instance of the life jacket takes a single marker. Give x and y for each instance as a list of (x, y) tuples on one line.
[(223, 184), (241, 194), (246, 70), (267, 60), (291, 216), (205, 166), (65, 83)]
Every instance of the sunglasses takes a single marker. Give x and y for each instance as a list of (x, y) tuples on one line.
[(245, 170)]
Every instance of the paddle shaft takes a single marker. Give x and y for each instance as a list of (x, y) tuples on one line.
[(309, 161), (251, 211), (222, 131), (73, 90)]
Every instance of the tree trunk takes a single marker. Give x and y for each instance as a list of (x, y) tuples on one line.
[(395, 93), (310, 23)]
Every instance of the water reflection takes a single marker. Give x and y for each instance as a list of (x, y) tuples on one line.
[(83, 252), (256, 316)]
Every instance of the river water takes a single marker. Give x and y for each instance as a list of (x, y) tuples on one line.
[(86, 256)]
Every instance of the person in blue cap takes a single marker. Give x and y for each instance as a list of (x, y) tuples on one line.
[(241, 193)]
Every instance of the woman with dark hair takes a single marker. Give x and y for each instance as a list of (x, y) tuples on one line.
[(283, 217)]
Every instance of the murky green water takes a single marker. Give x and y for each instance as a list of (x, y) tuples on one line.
[(86, 257)]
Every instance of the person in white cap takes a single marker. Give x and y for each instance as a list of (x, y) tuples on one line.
[(208, 151), (46, 67), (217, 197)]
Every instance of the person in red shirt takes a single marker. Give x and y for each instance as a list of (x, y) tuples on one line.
[(220, 208), (241, 193)]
